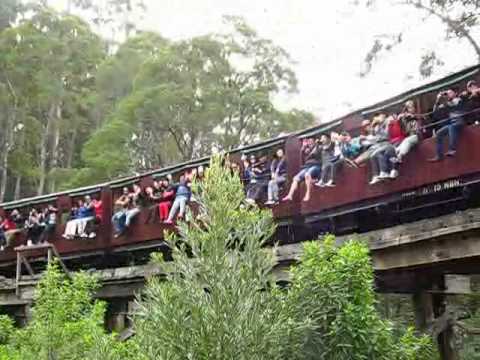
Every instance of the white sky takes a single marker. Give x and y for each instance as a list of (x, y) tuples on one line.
[(327, 39)]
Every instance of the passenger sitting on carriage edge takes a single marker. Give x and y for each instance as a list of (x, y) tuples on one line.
[(182, 197), (410, 124), (373, 138), (34, 226), (381, 166), (128, 207), (86, 213), (11, 225), (449, 102), (349, 148), (259, 177), (167, 196), (71, 226), (50, 219), (247, 170), (278, 173), (160, 199), (312, 168), (135, 202), (331, 159), (121, 207)]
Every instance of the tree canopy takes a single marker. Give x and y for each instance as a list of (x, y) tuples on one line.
[(78, 108)]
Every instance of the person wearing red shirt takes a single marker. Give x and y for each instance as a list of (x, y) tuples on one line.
[(395, 132), (97, 205), (168, 195), (98, 209), (9, 229)]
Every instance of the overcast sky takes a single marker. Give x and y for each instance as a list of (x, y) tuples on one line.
[(327, 39)]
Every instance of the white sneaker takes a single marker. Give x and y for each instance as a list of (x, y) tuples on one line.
[(375, 180), (1, 248), (269, 202), (29, 242), (393, 174), (330, 184), (92, 235), (384, 175), (320, 184), (84, 236)]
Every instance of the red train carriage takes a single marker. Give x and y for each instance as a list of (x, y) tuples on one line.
[(423, 189)]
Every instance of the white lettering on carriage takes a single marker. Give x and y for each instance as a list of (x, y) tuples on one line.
[(434, 188)]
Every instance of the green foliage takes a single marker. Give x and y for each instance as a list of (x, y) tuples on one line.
[(219, 300), (178, 101), (6, 329), (74, 114), (47, 67), (8, 12), (220, 303), (335, 286), (412, 347), (66, 323), (470, 348)]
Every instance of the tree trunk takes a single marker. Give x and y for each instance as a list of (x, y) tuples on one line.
[(3, 175), (44, 152), (8, 139), (5, 153), (54, 158), (18, 188), (71, 149)]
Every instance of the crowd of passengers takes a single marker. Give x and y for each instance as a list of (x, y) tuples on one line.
[(39, 225), (165, 200), (383, 143)]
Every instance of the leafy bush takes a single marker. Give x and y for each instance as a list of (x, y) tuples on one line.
[(66, 322)]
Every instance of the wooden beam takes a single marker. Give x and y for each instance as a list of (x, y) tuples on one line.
[(27, 265)]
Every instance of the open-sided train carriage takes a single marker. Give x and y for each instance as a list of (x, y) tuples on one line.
[(423, 189)]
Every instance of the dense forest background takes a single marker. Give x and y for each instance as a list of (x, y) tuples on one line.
[(85, 97)]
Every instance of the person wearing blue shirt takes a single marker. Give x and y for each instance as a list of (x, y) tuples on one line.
[(86, 213), (182, 197)]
